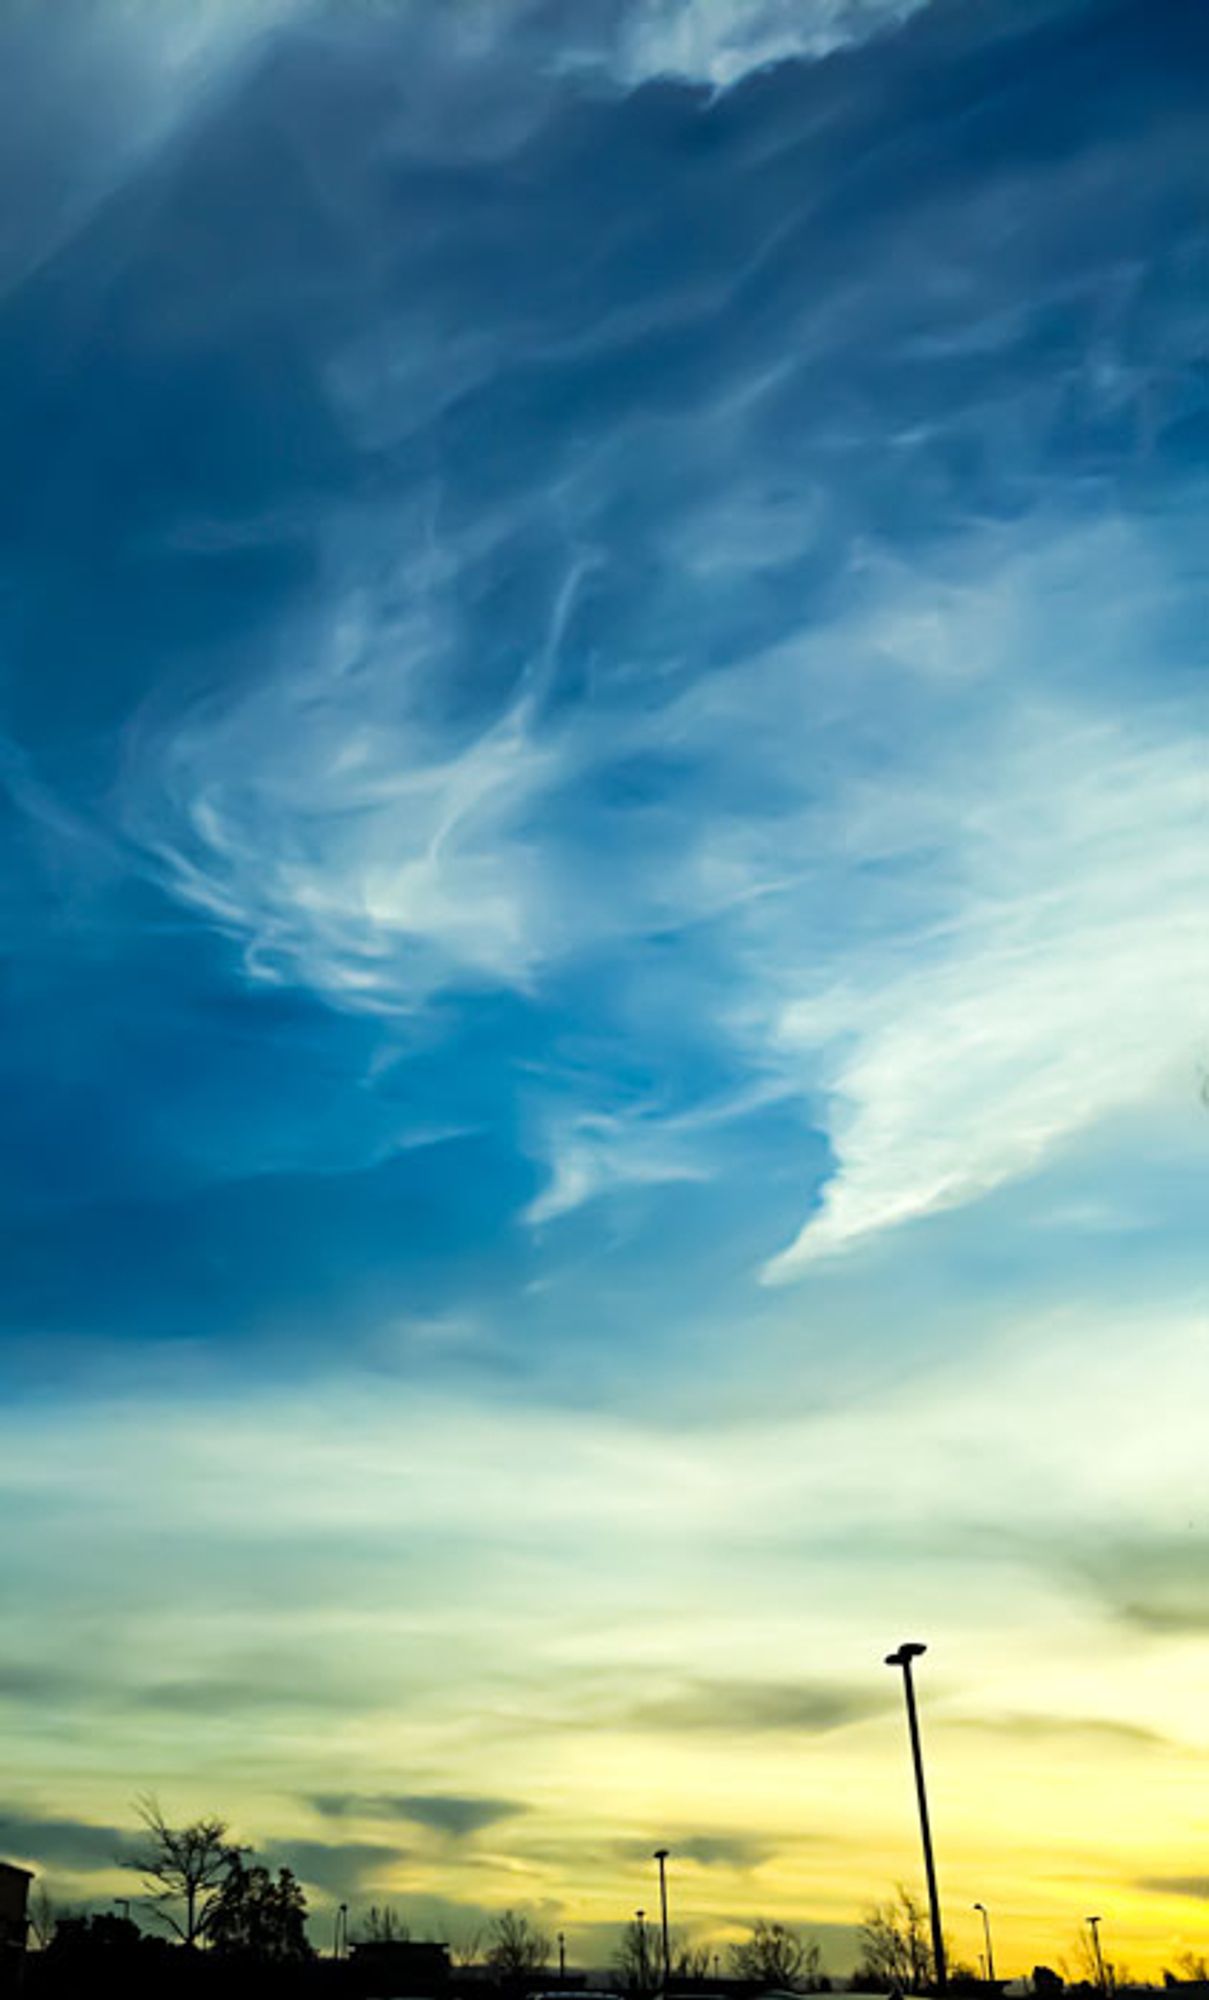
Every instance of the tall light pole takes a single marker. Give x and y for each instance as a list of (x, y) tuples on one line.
[(562, 1956), (661, 1857), (908, 1651), (986, 1925), (1093, 1925)]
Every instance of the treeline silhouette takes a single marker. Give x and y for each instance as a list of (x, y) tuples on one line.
[(227, 1925)]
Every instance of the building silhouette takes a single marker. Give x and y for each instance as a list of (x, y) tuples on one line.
[(14, 1923)]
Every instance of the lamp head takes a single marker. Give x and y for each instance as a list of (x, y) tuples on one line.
[(908, 1651), (979, 1906), (661, 1853)]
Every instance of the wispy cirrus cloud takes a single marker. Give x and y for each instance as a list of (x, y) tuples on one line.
[(941, 1020), (726, 41), (592, 1151), (910, 950), (848, 786), (367, 858), (1058, 989)]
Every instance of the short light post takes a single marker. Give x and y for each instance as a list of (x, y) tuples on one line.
[(908, 1651), (1093, 1925), (661, 1854), (986, 1926)]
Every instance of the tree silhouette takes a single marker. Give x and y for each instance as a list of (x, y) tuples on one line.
[(1190, 1965), (88, 1937), (690, 1961), (1088, 1965), (896, 1945), (775, 1956), (43, 1916), (184, 1867), (636, 1961), (465, 1942), (516, 1946), (383, 1925), (255, 1917)]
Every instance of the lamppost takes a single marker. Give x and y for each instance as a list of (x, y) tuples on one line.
[(340, 1932), (562, 1956), (661, 1854), (908, 1651), (986, 1925), (1093, 1925)]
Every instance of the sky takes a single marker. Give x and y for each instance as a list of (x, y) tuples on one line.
[(604, 1040)]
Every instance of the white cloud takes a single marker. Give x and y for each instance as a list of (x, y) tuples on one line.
[(354, 843), (594, 1152), (978, 937), (1062, 986), (721, 41), (714, 42), (963, 913)]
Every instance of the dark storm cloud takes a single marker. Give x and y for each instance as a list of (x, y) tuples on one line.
[(721, 1850), (82, 1846), (444, 1812), (811, 1708), (342, 1868), (71, 1844), (708, 1850), (1195, 1887)]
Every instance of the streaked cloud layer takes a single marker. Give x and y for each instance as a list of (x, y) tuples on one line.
[(603, 747)]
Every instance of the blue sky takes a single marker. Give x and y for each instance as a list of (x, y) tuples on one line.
[(602, 737)]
